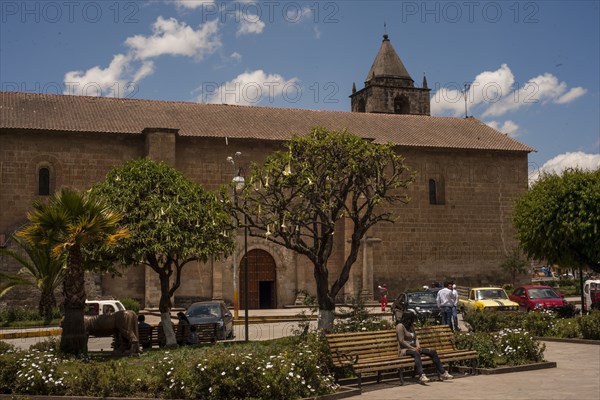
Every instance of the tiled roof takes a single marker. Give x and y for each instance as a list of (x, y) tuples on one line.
[(131, 116)]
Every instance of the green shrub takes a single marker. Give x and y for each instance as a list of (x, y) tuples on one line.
[(20, 316), (131, 304), (481, 342), (14, 314), (568, 311), (507, 347), (566, 328), (51, 344), (590, 325), (6, 347)]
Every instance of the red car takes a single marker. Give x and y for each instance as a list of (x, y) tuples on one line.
[(537, 298)]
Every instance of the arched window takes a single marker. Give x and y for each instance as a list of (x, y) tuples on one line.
[(436, 190), (401, 105), (361, 106), (44, 181), (432, 192)]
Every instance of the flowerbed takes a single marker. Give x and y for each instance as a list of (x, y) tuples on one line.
[(283, 369)]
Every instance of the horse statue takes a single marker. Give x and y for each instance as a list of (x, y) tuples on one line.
[(123, 324)]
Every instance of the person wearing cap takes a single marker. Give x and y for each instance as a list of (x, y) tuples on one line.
[(445, 302), (408, 345)]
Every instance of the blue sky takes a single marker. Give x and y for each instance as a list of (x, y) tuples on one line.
[(533, 66)]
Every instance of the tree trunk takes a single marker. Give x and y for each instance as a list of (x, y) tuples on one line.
[(165, 311), (73, 339), (46, 305), (326, 318), (325, 300), (165, 320)]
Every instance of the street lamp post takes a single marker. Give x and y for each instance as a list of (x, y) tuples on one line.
[(236, 272), (239, 183)]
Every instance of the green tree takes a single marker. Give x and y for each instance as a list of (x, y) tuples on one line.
[(515, 264), (558, 219), (39, 268), (323, 180), (172, 221), (72, 222)]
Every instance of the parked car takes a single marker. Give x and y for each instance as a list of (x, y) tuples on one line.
[(537, 298), (422, 302), (212, 311), (103, 306)]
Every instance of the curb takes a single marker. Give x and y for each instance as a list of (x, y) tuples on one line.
[(516, 368), (569, 340)]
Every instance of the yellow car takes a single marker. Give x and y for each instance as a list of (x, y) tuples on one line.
[(486, 299)]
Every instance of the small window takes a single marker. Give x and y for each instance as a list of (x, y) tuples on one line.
[(361, 106), (44, 181), (432, 192), (436, 192), (401, 105)]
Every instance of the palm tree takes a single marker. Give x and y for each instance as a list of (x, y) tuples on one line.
[(70, 223), (40, 269)]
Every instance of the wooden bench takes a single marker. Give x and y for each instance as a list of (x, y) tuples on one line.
[(153, 335), (377, 351)]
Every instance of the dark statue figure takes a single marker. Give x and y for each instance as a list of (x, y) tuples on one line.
[(123, 324)]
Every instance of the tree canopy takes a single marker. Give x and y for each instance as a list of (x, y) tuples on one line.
[(39, 268), (558, 219), (299, 195), (172, 222), (71, 223)]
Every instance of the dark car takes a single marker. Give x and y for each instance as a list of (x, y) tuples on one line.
[(209, 312), (537, 298), (423, 302)]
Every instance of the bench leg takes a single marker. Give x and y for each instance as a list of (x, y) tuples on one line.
[(359, 376), (401, 376), (378, 376), (474, 363)]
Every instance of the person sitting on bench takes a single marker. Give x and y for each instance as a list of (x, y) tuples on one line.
[(408, 344)]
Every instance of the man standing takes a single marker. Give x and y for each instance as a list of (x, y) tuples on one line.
[(445, 302), (455, 308)]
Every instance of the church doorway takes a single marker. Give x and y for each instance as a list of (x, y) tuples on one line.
[(262, 288)]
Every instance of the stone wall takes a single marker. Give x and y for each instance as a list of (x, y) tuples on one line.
[(466, 237)]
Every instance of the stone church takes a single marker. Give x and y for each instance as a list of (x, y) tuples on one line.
[(457, 224)]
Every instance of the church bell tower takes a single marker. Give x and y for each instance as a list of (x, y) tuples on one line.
[(389, 88)]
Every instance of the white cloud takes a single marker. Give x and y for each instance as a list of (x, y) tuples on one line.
[(249, 24), (175, 38), (193, 4), (125, 71), (116, 80), (236, 56), (494, 91), (540, 89), (564, 161), (508, 127), (488, 86), (251, 88), (571, 95)]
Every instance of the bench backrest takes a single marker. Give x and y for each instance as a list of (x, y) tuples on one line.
[(366, 345), (373, 344), (437, 337), (207, 333)]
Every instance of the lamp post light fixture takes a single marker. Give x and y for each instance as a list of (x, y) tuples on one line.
[(239, 183)]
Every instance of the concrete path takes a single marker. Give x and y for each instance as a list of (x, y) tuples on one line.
[(576, 377)]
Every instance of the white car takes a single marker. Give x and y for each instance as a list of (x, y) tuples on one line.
[(103, 306)]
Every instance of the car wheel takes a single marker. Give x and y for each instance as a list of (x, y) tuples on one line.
[(463, 311)]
